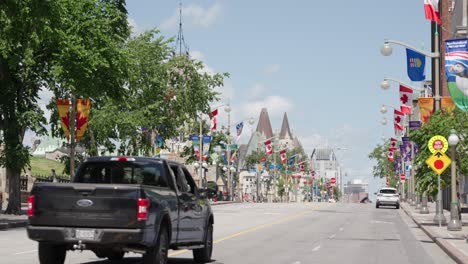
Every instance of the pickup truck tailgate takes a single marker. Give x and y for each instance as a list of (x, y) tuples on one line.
[(85, 205)]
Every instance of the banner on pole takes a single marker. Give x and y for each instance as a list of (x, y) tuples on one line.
[(456, 64)]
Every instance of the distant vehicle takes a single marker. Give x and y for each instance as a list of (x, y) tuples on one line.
[(388, 196), (116, 205)]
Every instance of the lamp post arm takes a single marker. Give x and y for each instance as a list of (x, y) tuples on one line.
[(405, 84), (427, 54)]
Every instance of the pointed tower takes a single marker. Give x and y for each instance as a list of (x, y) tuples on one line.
[(285, 132), (264, 125)]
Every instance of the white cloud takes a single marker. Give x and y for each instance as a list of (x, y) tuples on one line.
[(136, 30), (272, 68), (199, 56), (276, 106), (45, 96), (258, 89), (193, 15)]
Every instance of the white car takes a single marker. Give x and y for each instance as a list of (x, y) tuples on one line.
[(388, 196)]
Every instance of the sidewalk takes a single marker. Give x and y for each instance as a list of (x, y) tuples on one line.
[(452, 242)]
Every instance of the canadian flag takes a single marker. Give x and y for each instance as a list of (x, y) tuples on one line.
[(283, 156), (431, 8), (393, 140), (390, 156), (397, 122), (213, 117), (301, 166), (269, 147), (392, 149), (233, 156), (405, 98)]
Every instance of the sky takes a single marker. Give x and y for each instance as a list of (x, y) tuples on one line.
[(319, 61)]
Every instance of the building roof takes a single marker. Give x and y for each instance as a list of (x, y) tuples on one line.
[(323, 154), (285, 130), (264, 125)]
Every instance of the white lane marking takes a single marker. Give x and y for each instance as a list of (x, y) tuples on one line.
[(25, 252), (380, 222), (332, 236), (341, 228), (316, 248), (272, 213), (297, 262)]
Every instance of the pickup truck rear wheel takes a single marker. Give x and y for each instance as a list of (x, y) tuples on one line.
[(51, 253), (203, 255), (158, 253)]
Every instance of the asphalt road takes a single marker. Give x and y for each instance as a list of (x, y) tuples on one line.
[(285, 234)]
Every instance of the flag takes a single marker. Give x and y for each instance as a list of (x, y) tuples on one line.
[(394, 140), (83, 107), (239, 128), (415, 62), (63, 107), (392, 149), (213, 117), (291, 160), (426, 108), (431, 8), (301, 166), (233, 156), (283, 156), (390, 156), (269, 147), (405, 100), (447, 104), (399, 113), (456, 65)]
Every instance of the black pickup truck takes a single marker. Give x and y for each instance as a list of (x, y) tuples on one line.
[(116, 205)]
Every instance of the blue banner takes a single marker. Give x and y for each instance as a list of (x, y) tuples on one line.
[(415, 63), (291, 160), (207, 139), (456, 64)]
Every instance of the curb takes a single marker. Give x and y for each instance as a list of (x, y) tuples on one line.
[(15, 224), (452, 251), (221, 203)]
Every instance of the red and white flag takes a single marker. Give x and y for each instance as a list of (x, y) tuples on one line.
[(268, 147), (393, 140), (390, 156), (431, 8), (398, 113), (233, 156), (392, 149), (301, 166), (405, 100), (213, 117), (283, 156)]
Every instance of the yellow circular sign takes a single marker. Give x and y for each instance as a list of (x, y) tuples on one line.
[(437, 144)]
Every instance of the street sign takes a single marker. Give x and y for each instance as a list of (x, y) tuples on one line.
[(437, 144), (403, 177), (438, 162), (234, 146)]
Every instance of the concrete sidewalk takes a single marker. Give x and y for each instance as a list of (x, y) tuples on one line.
[(452, 242)]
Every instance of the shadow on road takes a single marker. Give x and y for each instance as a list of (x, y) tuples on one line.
[(136, 260)]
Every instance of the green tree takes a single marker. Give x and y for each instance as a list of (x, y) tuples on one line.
[(384, 167), (25, 50)]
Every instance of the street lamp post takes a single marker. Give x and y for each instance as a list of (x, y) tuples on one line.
[(227, 109), (387, 50), (454, 224)]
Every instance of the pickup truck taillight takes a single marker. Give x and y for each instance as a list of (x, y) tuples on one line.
[(143, 209), (31, 201)]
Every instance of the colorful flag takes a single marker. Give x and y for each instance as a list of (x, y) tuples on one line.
[(426, 108), (393, 140), (291, 160), (233, 156), (447, 104), (63, 107), (416, 63), (390, 156), (392, 149), (399, 113), (213, 117), (405, 100), (239, 128), (398, 127), (83, 108), (456, 65), (283, 156), (301, 166), (431, 8), (269, 147)]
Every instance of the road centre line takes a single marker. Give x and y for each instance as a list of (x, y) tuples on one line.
[(332, 236), (25, 252), (316, 248), (287, 219)]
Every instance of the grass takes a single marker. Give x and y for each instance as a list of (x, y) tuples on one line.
[(42, 166)]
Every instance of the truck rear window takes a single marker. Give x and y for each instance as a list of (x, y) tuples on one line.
[(388, 191), (146, 173)]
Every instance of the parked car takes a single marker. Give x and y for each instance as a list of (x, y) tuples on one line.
[(388, 196), (116, 205)]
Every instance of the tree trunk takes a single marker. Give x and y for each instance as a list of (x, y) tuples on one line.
[(14, 193)]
